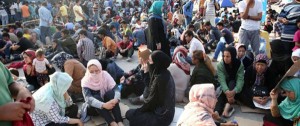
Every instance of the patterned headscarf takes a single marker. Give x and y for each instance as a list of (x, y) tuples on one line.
[(180, 53), (262, 58), (60, 59)]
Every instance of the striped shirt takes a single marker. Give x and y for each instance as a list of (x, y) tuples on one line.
[(291, 12), (86, 49)]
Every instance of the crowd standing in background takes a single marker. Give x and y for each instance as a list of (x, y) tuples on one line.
[(82, 39)]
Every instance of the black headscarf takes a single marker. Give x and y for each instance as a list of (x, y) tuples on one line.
[(232, 68), (159, 79)]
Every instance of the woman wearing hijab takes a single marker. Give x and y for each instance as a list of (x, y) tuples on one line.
[(242, 56), (30, 75), (100, 93), (231, 78), (66, 63), (287, 113), (200, 110), (51, 102), (180, 71), (259, 81), (156, 35), (159, 106)]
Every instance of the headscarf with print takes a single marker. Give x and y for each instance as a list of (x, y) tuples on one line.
[(180, 53), (156, 8), (60, 59), (290, 109), (261, 58), (232, 68), (202, 100), (53, 92), (101, 81)]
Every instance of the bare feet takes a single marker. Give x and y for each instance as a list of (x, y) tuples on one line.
[(228, 110)]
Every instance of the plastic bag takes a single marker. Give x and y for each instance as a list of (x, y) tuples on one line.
[(26, 118)]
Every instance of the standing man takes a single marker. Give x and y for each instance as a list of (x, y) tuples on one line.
[(288, 17), (25, 11), (45, 22), (188, 12), (251, 13), (210, 11), (79, 16)]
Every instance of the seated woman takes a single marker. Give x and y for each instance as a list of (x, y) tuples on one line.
[(51, 102), (100, 93), (134, 82), (231, 78), (28, 56), (112, 68), (287, 113), (203, 72), (180, 71), (258, 82), (66, 63), (242, 56), (200, 110), (159, 106)]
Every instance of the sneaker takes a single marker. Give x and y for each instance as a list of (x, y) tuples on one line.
[(136, 101), (128, 59)]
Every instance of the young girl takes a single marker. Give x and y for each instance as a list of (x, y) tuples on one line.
[(40, 64), (297, 35)]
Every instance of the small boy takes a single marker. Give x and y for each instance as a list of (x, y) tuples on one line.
[(40, 64)]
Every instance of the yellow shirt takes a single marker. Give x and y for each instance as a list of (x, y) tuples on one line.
[(27, 36), (77, 16), (63, 11)]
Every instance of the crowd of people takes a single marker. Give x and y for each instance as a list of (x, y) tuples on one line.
[(82, 40)]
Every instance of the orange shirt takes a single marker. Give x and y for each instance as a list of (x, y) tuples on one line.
[(25, 11), (109, 44)]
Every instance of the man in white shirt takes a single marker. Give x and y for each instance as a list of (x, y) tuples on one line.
[(251, 14), (195, 44), (13, 8)]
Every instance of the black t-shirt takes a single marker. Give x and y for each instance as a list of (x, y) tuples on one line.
[(24, 45)]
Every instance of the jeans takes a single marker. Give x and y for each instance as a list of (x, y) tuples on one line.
[(45, 31), (116, 111), (18, 16), (188, 20), (13, 18), (4, 20), (220, 47)]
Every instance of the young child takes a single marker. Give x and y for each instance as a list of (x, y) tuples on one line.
[(297, 35), (40, 64)]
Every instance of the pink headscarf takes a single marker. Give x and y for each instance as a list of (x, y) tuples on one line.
[(202, 103), (102, 81)]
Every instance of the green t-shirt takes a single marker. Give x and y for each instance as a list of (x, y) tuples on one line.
[(5, 96)]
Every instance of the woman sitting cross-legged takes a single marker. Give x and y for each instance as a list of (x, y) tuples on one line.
[(259, 81), (53, 105), (100, 93), (159, 106), (231, 78)]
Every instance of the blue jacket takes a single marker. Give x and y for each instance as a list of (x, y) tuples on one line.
[(188, 9)]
